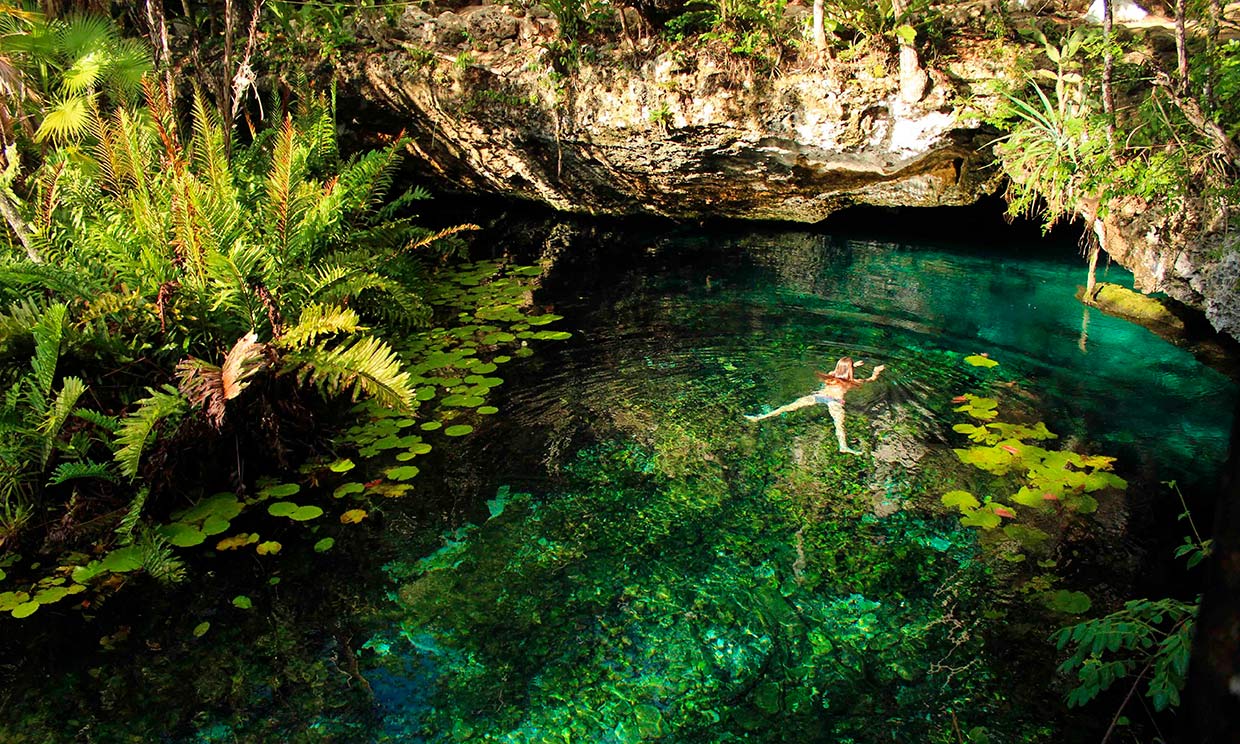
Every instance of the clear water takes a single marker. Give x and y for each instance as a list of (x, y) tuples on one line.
[(621, 557), (670, 570)]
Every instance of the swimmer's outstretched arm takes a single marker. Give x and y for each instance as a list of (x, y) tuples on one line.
[(801, 402), (874, 375)]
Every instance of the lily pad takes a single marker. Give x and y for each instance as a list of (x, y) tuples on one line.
[(324, 545), (282, 509), (344, 489), (306, 513), (353, 516), (404, 472), (977, 360), (342, 465), (182, 535), (25, 609), (431, 426), (279, 490), (201, 629), (488, 410), (242, 602), (236, 541), (458, 430), (270, 547)]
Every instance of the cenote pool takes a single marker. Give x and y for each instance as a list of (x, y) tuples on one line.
[(619, 556)]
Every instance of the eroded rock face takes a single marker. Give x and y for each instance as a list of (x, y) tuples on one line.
[(1197, 264), (677, 136)]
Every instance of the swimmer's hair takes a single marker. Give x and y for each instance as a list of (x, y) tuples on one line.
[(843, 371)]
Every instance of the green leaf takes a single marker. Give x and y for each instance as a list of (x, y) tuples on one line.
[(977, 360), (242, 602), (459, 430), (1068, 602), (182, 535), (404, 472), (201, 629), (341, 466), (25, 610), (324, 545), (282, 509), (306, 513), (963, 500), (906, 34)]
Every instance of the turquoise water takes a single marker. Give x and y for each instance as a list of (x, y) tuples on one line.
[(618, 556), (654, 567)]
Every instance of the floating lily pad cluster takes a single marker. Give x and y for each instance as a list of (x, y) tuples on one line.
[(487, 320), (1033, 484)]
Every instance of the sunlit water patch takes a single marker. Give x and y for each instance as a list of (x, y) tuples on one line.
[(652, 566)]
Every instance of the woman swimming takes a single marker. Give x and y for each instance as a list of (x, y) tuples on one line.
[(835, 385)]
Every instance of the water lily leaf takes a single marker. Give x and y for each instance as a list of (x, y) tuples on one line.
[(214, 525), (282, 509), (279, 491), (25, 610), (225, 506), (201, 629), (269, 547), (484, 368), (50, 595), (459, 430), (242, 602), (977, 360), (501, 359), (962, 500), (344, 489), (237, 541), (404, 472), (431, 426), (342, 465), (488, 410), (463, 401), (182, 535), (543, 319), (353, 516), (984, 518), (306, 513), (10, 600), (1071, 603), (391, 490), (324, 545), (553, 335)]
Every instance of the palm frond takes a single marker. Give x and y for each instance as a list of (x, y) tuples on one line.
[(137, 428), (66, 119), (82, 35), (129, 62), (367, 366)]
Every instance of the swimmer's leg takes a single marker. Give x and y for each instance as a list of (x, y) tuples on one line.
[(837, 415)]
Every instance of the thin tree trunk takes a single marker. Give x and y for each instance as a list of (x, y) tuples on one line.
[(1181, 46), (1108, 70), (19, 226), (820, 34), (226, 83), (1212, 26)]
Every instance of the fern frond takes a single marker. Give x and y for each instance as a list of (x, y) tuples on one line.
[(133, 515), (19, 320), (394, 207), (48, 333), (204, 384), (137, 428), (319, 320), (158, 560), (281, 183), (107, 423), (209, 149), (426, 240), (367, 179), (57, 413), (67, 471), (367, 366)]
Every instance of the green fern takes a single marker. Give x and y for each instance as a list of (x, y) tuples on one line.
[(319, 321), (137, 428), (71, 388), (157, 559), (133, 515), (367, 366), (48, 333), (107, 423), (67, 471)]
